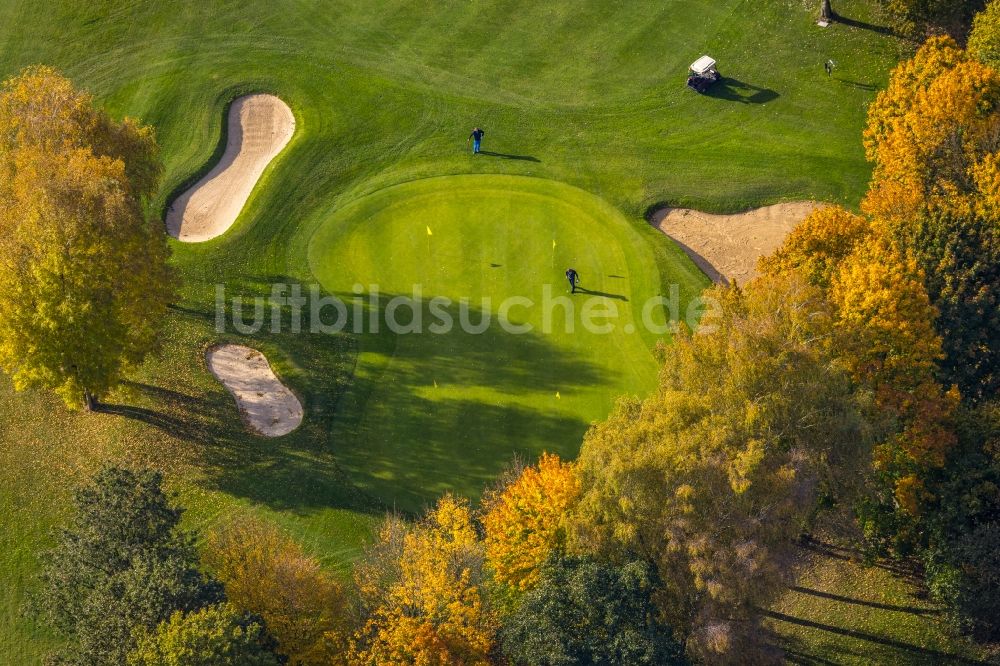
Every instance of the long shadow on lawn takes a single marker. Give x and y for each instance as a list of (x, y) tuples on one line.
[(862, 25), (591, 292), (339, 456), (907, 570), (297, 472), (451, 402), (939, 657), (507, 156), (915, 610), (856, 84)]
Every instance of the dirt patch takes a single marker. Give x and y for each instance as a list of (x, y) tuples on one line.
[(726, 247), (266, 404), (259, 127)]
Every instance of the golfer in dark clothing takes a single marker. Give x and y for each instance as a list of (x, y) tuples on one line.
[(476, 137), (573, 278)]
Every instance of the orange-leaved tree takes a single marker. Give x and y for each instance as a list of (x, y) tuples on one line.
[(525, 521), (929, 132), (890, 344)]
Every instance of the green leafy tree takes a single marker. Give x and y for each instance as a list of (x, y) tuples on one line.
[(959, 254), (584, 611), (968, 580), (984, 41), (217, 635), (122, 565), (962, 528), (73, 189)]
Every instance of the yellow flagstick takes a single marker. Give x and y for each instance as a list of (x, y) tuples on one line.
[(429, 234), (558, 396)]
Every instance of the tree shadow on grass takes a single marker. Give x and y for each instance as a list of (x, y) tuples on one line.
[(339, 456), (830, 628), (913, 610), (734, 90), (451, 404), (204, 430), (863, 25), (935, 656), (908, 570)]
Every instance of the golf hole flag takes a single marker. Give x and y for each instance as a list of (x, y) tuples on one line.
[(429, 232)]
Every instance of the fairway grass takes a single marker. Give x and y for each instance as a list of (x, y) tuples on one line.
[(446, 411)]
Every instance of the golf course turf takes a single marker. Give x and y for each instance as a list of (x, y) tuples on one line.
[(588, 125), (419, 402)]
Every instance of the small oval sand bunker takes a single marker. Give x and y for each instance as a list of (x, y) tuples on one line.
[(259, 127), (266, 404)]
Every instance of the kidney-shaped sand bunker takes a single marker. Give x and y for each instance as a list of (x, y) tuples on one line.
[(259, 127), (266, 404)]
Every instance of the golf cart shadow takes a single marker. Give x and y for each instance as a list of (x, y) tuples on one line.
[(735, 90)]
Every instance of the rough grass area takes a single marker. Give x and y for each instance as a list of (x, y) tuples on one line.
[(841, 611)]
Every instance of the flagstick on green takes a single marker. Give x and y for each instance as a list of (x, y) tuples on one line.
[(429, 234)]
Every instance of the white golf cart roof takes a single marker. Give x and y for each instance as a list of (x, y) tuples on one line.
[(702, 65)]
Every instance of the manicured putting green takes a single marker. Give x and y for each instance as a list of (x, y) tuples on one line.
[(431, 411)]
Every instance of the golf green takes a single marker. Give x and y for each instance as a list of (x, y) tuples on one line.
[(505, 361)]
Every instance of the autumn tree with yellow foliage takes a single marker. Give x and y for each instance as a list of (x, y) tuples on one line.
[(73, 189), (714, 476), (525, 522), (421, 589), (266, 573), (818, 244), (915, 282), (929, 134), (890, 345), (934, 138)]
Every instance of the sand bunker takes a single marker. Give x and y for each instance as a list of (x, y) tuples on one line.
[(260, 126), (726, 247), (265, 403)]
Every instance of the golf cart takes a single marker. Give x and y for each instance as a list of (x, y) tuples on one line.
[(702, 74)]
